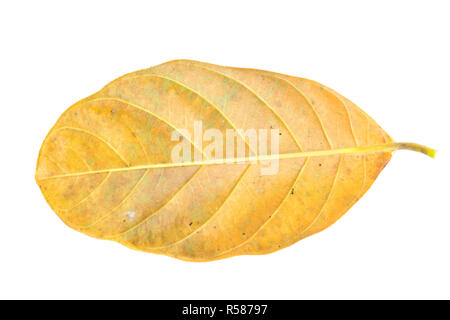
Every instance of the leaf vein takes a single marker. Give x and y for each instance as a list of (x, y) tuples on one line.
[(95, 136), (327, 199)]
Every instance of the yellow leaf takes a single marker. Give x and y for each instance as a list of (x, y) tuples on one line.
[(106, 167)]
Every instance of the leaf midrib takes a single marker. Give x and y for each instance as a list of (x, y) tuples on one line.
[(388, 147)]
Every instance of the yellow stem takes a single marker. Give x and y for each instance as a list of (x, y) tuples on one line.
[(389, 147), (416, 147)]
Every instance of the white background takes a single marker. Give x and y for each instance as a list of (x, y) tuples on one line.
[(389, 57)]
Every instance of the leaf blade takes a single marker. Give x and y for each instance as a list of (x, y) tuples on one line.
[(112, 177)]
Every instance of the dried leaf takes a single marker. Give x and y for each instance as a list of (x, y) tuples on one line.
[(106, 167)]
